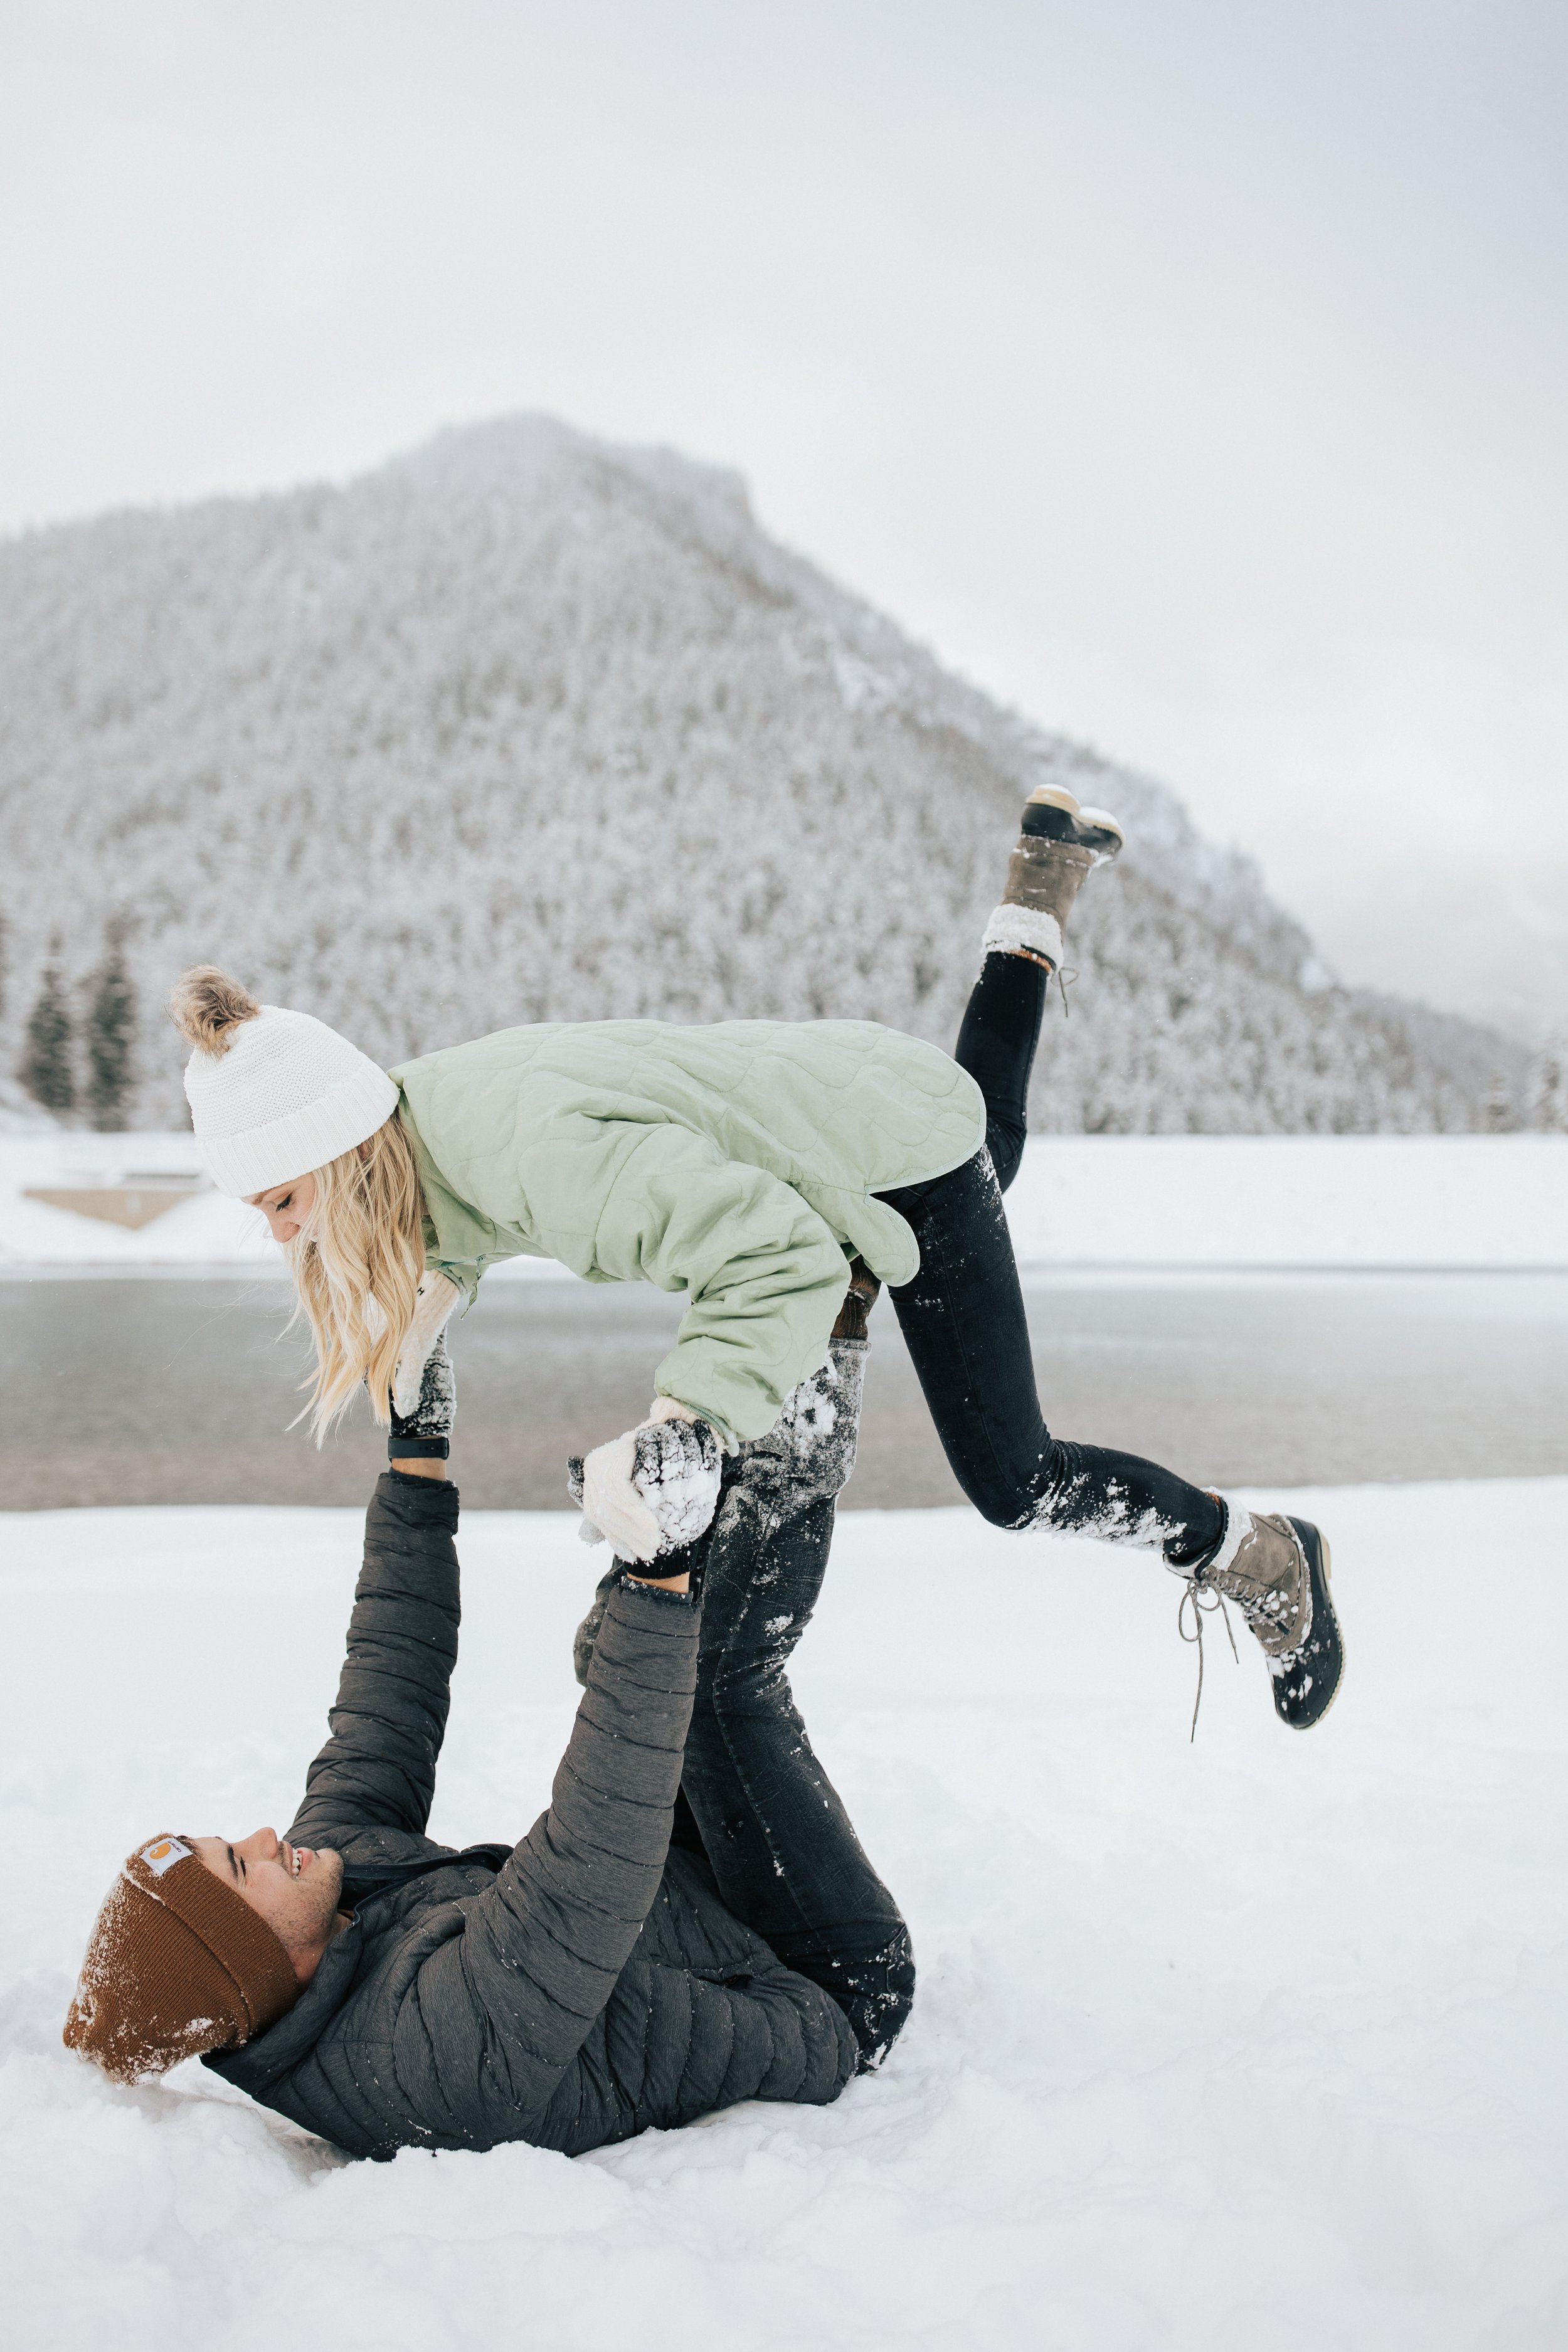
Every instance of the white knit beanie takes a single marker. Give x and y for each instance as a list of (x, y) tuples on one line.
[(286, 1095)]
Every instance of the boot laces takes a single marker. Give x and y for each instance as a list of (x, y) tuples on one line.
[(1202, 1600)]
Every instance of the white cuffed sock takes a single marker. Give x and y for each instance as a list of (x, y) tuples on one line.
[(1238, 1527), (1012, 927)]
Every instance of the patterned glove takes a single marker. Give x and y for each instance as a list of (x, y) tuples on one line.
[(433, 1304), (651, 1492), (426, 1434)]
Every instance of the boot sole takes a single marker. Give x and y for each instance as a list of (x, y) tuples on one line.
[(1314, 1544), (1055, 796), (1327, 1580)]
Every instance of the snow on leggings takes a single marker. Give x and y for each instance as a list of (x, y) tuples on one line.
[(963, 1319)]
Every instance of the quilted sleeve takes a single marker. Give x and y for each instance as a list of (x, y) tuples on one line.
[(764, 1274), (378, 1767), (491, 2019)]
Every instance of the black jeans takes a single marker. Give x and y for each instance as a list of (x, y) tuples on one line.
[(755, 1801), (963, 1319)]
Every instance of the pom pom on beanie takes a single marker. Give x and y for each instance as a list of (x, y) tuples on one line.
[(273, 1094), (207, 1007), (177, 1964)]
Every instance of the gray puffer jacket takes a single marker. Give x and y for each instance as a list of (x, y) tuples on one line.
[(572, 1991)]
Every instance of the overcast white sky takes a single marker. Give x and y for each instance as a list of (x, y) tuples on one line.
[(1189, 372)]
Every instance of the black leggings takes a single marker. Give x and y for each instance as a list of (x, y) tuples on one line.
[(963, 1319)]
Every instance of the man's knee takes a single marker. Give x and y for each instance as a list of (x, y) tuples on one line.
[(808, 1455)]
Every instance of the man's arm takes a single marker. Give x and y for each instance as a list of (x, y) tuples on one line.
[(501, 2009), (378, 1767)]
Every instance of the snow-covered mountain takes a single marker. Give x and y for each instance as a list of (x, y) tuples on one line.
[(524, 727)]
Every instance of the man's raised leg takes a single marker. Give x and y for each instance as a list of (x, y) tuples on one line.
[(775, 1831), (755, 1801)]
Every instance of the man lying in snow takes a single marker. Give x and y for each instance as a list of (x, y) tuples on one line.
[(601, 1977)]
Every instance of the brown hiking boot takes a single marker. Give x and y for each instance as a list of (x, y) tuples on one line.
[(1277, 1571), (1060, 843)]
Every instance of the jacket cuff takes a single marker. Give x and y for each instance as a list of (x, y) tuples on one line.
[(463, 1274), (722, 1430), (630, 1582), (418, 1502)]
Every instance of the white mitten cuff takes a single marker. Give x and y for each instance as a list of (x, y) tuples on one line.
[(664, 1408), (612, 1504)]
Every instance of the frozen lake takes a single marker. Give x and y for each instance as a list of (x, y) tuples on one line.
[(163, 1389)]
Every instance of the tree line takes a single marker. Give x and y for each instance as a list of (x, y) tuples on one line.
[(80, 1056), (80, 1051)]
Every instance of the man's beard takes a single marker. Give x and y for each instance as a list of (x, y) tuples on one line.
[(323, 1888), (304, 1923)]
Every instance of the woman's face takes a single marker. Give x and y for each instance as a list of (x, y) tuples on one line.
[(287, 1207)]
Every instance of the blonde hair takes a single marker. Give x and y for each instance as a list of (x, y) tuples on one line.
[(356, 1266), (356, 1263)]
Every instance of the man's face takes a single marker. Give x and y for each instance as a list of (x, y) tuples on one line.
[(292, 1887)]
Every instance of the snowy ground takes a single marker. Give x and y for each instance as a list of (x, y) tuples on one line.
[(1249, 2046), (1424, 1201)]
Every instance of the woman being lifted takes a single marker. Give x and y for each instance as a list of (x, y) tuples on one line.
[(747, 1164)]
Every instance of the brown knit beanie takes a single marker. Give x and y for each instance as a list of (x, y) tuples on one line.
[(177, 1963)]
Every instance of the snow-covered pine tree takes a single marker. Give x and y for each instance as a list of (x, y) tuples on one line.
[(1500, 1116), (47, 1069), (1549, 1088), (110, 1035)]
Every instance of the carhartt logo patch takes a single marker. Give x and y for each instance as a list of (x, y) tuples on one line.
[(163, 1855)]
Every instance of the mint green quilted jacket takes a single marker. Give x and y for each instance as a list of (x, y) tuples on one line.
[(735, 1162)]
